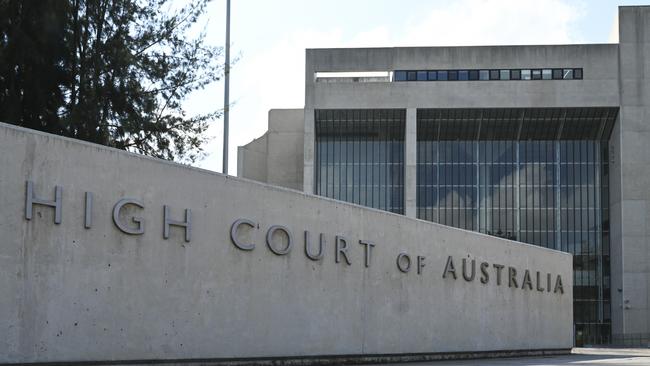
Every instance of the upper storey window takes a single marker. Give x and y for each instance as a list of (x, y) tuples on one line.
[(412, 76), (494, 74), (515, 74), (567, 74), (577, 73)]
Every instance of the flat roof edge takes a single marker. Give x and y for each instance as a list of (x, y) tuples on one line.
[(604, 44)]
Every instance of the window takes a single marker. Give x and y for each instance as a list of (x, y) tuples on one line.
[(577, 73), (401, 75), (515, 74), (411, 76), (358, 156), (496, 74)]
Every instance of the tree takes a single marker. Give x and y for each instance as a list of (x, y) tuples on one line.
[(114, 72), (32, 63)]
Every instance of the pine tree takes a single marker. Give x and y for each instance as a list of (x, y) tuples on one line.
[(113, 72)]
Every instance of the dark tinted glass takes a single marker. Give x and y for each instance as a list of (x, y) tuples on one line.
[(501, 74), (577, 73), (539, 190), (359, 156), (515, 74), (411, 75)]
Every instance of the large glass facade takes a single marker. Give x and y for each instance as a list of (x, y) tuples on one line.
[(359, 157), (539, 176)]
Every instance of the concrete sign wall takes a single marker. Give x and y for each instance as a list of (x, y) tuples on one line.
[(106, 255)]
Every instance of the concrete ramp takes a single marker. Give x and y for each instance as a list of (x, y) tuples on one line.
[(107, 255)]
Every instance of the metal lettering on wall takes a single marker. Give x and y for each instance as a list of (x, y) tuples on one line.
[(280, 241)]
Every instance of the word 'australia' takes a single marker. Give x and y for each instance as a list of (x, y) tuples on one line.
[(469, 273)]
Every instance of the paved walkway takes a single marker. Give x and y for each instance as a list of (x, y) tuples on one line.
[(579, 357)]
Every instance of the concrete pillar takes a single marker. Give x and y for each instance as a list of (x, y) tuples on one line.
[(410, 169), (310, 138), (633, 204)]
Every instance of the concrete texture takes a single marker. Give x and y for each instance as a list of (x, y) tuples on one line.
[(410, 168), (276, 157), (309, 176), (614, 75), (579, 356), (285, 158), (630, 203), (252, 159), (71, 293), (600, 86)]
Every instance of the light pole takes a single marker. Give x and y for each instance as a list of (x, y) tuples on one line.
[(226, 102)]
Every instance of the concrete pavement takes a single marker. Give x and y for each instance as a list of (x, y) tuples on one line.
[(579, 357)]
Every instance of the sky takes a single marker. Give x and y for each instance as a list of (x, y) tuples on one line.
[(268, 40)]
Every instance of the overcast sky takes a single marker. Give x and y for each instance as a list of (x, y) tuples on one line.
[(270, 36)]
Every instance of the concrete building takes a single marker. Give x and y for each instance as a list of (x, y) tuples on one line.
[(111, 258), (546, 145)]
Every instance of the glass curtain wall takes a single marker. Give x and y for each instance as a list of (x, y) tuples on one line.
[(359, 156), (539, 176)]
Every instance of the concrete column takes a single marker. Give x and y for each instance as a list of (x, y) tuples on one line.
[(410, 169), (616, 232), (310, 136), (633, 202)]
